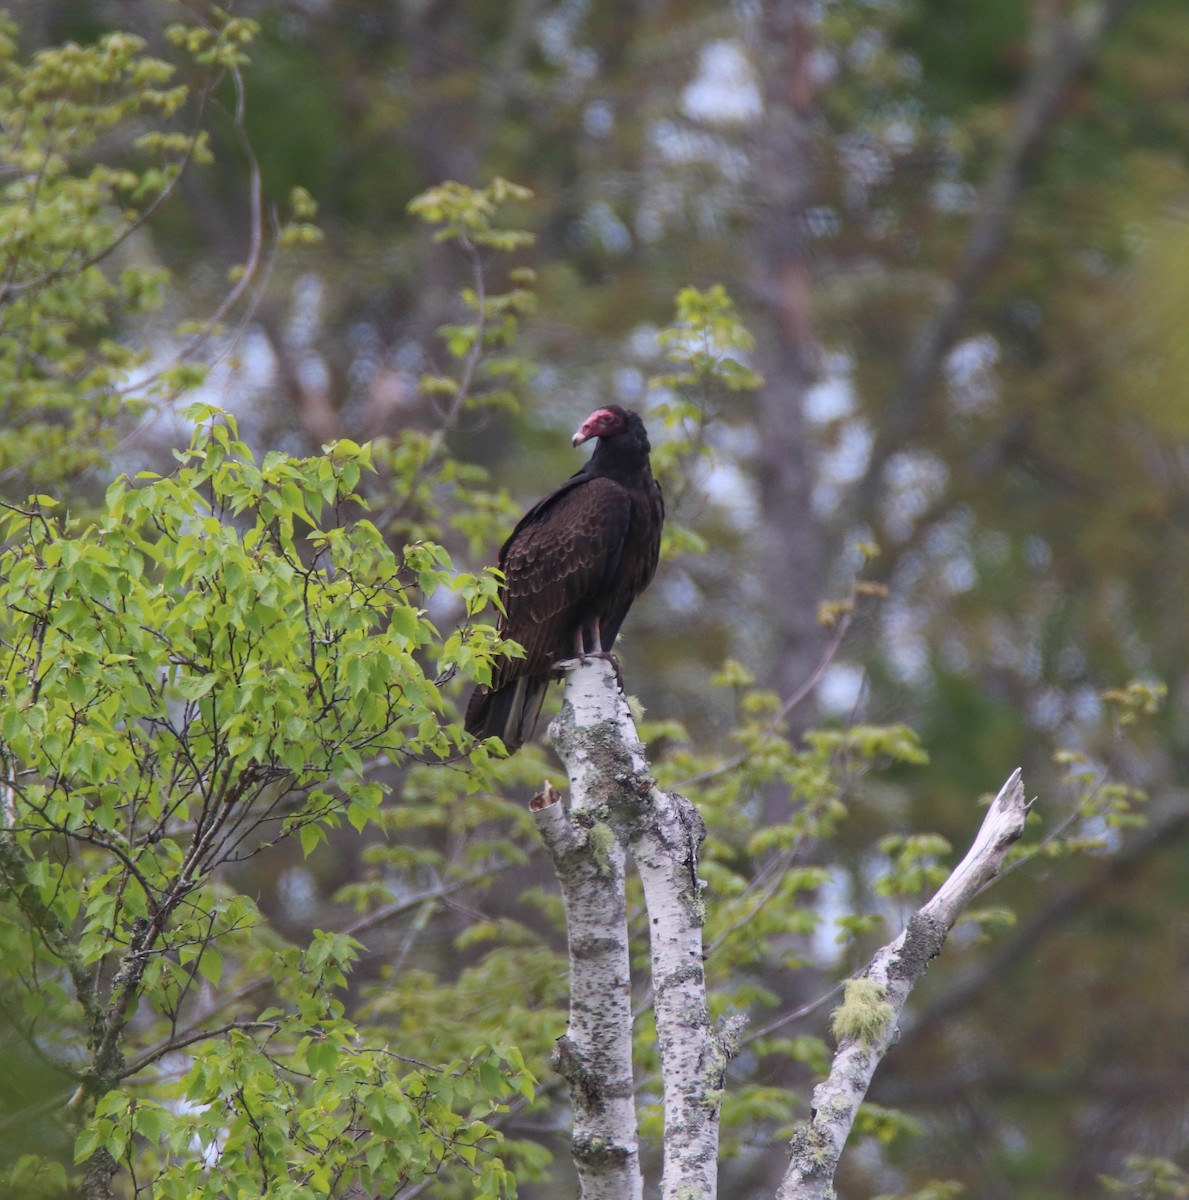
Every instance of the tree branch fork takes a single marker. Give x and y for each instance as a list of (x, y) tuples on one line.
[(615, 810)]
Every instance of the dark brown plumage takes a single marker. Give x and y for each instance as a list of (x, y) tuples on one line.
[(572, 568)]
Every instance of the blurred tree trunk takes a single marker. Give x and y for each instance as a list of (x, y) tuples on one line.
[(1061, 52), (790, 542)]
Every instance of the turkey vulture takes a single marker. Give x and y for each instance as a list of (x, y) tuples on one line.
[(572, 567)]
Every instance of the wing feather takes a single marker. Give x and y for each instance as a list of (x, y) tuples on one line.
[(555, 565)]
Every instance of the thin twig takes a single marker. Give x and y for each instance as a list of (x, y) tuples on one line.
[(840, 631), (98, 256)]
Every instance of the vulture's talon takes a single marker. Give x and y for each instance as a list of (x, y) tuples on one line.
[(613, 659)]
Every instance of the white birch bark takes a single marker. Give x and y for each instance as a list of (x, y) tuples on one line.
[(664, 844), (817, 1145), (594, 1055), (611, 787)]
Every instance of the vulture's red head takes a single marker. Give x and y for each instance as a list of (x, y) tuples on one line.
[(602, 423)]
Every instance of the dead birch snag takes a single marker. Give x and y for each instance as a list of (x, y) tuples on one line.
[(867, 1022), (664, 842), (594, 1055), (612, 788)]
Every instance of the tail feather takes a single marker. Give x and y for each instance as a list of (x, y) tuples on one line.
[(510, 712)]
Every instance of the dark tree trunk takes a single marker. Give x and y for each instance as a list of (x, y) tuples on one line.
[(790, 542)]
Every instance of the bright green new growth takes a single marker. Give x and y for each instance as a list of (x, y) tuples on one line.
[(65, 213), (211, 665), (191, 606)]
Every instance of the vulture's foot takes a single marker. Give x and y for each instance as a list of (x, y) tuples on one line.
[(614, 661), (561, 667)]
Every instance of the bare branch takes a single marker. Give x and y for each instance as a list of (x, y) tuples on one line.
[(182, 1041), (841, 627), (1162, 835), (250, 268), (867, 1022), (76, 267)]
